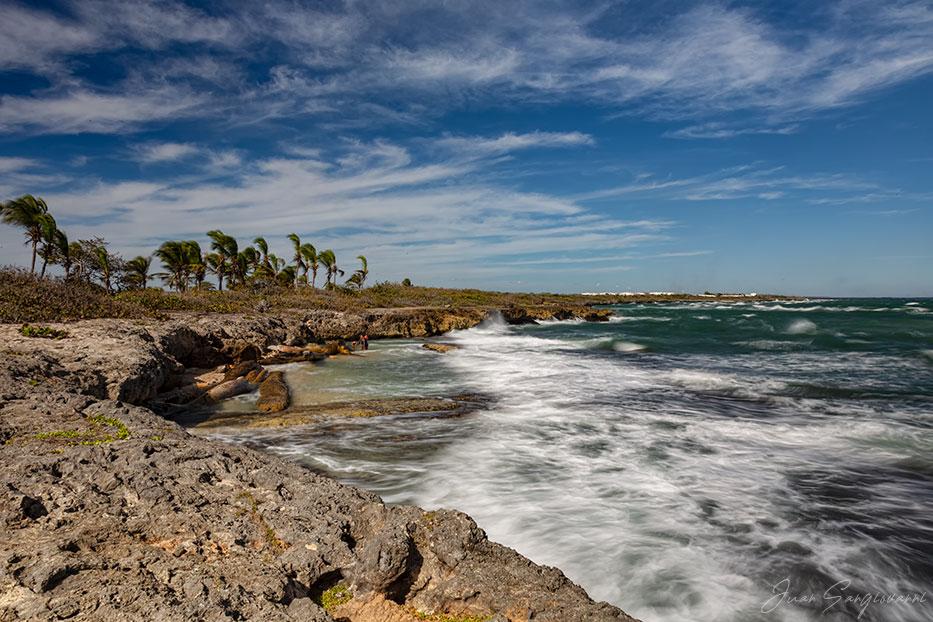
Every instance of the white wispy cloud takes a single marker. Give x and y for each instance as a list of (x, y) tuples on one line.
[(717, 129), (510, 141), (40, 40), (18, 174), (9, 165), (701, 62), (82, 110), (225, 159), (755, 182), (164, 152), (35, 39)]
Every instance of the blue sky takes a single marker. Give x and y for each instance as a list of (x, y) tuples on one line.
[(728, 146)]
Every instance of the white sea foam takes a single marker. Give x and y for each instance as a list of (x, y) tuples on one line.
[(813, 308), (627, 346), (637, 478), (575, 320), (801, 327)]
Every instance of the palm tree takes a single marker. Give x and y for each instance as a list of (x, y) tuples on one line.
[(309, 255), (337, 272), (195, 262), (286, 276), (245, 259), (27, 212), (174, 257), (49, 239), (227, 249), (62, 252), (137, 271), (198, 269), (263, 248), (359, 277), (104, 265), (298, 257), (217, 264), (329, 260)]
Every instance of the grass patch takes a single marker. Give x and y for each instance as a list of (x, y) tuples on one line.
[(447, 617), (25, 297), (102, 430), (335, 596), (382, 295), (43, 332)]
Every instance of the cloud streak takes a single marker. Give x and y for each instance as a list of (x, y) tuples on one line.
[(703, 62), (81, 110), (755, 183)]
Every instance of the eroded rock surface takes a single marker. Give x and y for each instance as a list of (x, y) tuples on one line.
[(111, 512), (318, 413), (273, 393)]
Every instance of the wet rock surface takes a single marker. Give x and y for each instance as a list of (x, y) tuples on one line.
[(273, 393), (441, 348), (109, 511), (317, 413)]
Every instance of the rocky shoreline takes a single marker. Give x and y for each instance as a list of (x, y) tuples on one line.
[(111, 511)]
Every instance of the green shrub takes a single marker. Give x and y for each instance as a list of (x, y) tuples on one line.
[(335, 596), (46, 332), (101, 430), (27, 298)]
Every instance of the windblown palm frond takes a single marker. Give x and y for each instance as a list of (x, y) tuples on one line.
[(27, 212)]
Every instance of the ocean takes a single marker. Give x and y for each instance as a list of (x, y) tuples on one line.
[(686, 462)]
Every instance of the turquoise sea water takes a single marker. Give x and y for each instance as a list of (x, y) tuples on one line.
[(684, 461)]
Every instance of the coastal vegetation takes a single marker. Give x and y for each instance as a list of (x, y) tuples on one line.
[(100, 430), (185, 265), (225, 277), (44, 332), (29, 298)]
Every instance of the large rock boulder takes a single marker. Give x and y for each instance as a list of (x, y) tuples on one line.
[(442, 348), (230, 388), (273, 393)]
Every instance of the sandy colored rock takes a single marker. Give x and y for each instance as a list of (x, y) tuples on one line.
[(257, 375), (230, 388), (317, 413), (273, 393), (238, 370), (440, 347), (206, 379)]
